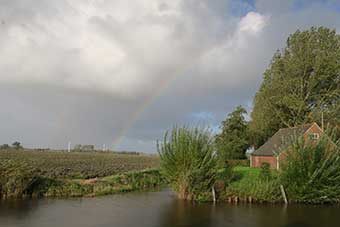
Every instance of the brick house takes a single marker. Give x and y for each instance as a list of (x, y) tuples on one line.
[(272, 151)]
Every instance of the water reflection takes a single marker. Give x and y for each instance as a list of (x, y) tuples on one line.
[(159, 209), (182, 213)]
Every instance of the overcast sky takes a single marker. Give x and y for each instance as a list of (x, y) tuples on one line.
[(121, 72)]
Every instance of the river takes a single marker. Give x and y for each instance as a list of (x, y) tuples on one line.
[(159, 209)]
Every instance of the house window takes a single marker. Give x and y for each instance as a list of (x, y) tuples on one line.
[(314, 136)]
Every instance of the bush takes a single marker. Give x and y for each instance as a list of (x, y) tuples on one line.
[(248, 183), (239, 162), (16, 178), (311, 171), (265, 172), (188, 162)]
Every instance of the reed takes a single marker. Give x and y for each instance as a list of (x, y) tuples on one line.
[(188, 162)]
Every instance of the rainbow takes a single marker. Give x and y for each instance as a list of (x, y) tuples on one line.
[(150, 99), (136, 114)]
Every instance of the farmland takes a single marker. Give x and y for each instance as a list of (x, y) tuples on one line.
[(81, 165)]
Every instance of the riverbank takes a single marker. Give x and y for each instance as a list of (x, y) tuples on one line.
[(25, 173), (252, 185), (144, 180), (248, 185), (161, 208)]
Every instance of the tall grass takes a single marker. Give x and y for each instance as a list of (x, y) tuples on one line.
[(252, 183), (311, 171), (17, 179), (188, 162)]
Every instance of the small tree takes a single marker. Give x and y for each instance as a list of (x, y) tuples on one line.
[(188, 161), (17, 145), (232, 142)]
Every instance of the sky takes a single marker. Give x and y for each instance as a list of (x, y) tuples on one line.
[(122, 72)]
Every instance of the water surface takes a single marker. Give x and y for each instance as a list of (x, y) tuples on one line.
[(159, 209)]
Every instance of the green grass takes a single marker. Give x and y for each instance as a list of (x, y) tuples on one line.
[(247, 171), (26, 173), (247, 183), (124, 182)]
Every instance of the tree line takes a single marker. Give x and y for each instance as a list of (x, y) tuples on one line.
[(301, 85), (16, 145)]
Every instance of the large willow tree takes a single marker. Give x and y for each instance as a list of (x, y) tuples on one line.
[(301, 83), (188, 161)]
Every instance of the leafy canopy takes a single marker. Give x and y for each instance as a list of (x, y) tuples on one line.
[(232, 142), (302, 81)]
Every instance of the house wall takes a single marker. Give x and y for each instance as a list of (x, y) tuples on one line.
[(256, 161), (313, 129)]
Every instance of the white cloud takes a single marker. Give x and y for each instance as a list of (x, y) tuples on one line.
[(126, 48), (252, 23)]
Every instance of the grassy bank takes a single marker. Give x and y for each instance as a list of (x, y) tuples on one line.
[(249, 184), (25, 173), (25, 181), (130, 181)]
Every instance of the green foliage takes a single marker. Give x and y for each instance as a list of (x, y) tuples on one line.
[(302, 81), (17, 145), (125, 182), (188, 162), (19, 179), (248, 183), (265, 172), (232, 142), (16, 178), (311, 172), (238, 162)]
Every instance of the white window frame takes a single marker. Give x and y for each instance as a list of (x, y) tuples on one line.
[(314, 136)]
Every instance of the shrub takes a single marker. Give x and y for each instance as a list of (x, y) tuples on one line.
[(311, 171), (248, 183), (265, 172), (188, 162), (238, 162), (16, 178)]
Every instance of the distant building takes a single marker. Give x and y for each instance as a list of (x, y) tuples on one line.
[(87, 147), (79, 147), (271, 152)]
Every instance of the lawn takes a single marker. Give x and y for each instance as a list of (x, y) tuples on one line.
[(247, 172)]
